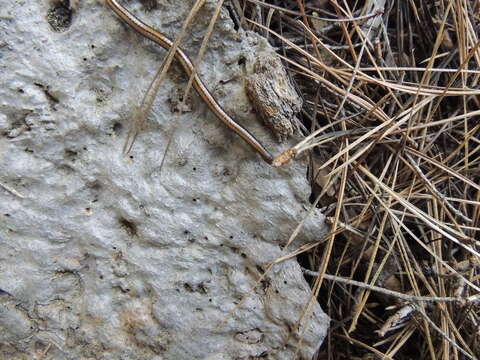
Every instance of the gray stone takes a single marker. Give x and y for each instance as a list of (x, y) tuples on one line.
[(103, 256)]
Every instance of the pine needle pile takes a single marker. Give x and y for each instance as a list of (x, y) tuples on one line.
[(391, 125)]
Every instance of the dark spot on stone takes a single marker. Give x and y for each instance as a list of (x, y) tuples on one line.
[(129, 226), (52, 100), (59, 16), (117, 128), (226, 172), (202, 288), (149, 5), (233, 16), (70, 154), (21, 91), (266, 282), (94, 185)]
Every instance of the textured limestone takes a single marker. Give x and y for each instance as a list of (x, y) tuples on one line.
[(107, 257)]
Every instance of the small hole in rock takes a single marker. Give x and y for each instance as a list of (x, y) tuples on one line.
[(128, 226), (149, 4), (95, 185), (60, 16), (188, 287), (70, 154), (117, 128)]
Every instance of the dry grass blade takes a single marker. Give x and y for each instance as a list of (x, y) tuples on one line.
[(406, 297), (11, 190)]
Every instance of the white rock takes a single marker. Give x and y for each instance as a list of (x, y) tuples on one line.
[(111, 258)]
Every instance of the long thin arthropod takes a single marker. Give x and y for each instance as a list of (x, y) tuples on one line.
[(199, 86)]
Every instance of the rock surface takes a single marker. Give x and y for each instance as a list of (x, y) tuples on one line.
[(107, 257)]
